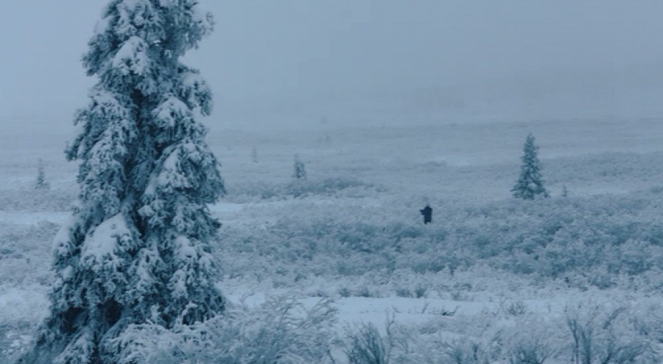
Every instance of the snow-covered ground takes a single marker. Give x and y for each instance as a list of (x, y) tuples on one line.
[(352, 232)]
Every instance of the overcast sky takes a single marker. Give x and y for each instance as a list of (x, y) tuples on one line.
[(276, 59)]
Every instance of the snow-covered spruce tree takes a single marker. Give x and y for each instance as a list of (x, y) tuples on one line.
[(530, 183), (136, 250), (41, 183), (299, 172)]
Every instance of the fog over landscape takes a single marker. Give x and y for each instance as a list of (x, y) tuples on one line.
[(293, 62), (392, 181)]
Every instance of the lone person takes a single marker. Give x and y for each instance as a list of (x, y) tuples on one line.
[(428, 214)]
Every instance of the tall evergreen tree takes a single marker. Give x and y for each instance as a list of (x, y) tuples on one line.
[(137, 248), (530, 183)]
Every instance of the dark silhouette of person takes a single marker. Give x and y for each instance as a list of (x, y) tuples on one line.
[(428, 214)]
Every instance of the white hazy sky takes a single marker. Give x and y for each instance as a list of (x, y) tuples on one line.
[(277, 59)]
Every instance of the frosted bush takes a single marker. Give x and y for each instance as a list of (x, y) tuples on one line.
[(603, 241), (14, 340), (29, 199), (531, 340), (252, 191), (585, 334), (341, 186), (365, 345), (581, 242), (280, 331), (606, 335), (466, 351), (394, 343), (24, 253)]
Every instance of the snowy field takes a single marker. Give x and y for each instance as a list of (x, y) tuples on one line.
[(487, 273)]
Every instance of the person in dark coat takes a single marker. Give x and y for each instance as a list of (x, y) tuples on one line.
[(428, 214)]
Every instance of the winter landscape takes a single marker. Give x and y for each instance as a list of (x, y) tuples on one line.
[(161, 230)]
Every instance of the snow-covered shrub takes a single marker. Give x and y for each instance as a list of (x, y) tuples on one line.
[(646, 319), (513, 308), (607, 335), (467, 351), (420, 291), (280, 331), (585, 334), (365, 345), (24, 256), (581, 242), (22, 307), (364, 291), (14, 340), (26, 199), (403, 292), (532, 340), (333, 186), (254, 191)]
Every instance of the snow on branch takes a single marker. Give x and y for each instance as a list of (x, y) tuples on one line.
[(103, 243), (131, 58), (170, 112)]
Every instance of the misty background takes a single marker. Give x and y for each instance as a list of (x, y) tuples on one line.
[(361, 62)]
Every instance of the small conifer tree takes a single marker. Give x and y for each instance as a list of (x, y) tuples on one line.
[(565, 191), (254, 155), (299, 172), (41, 183), (136, 251), (530, 182)]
